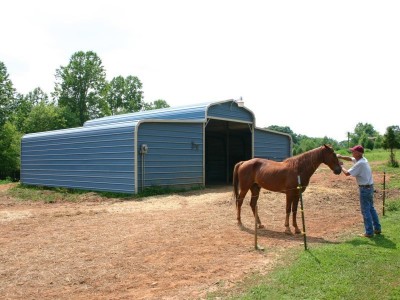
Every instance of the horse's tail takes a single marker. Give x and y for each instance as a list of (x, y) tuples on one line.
[(235, 180)]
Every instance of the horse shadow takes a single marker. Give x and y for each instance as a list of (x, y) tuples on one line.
[(281, 235)]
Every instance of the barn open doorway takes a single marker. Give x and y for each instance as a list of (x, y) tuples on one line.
[(226, 143)]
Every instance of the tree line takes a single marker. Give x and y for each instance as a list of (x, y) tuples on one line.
[(82, 92), (364, 134)]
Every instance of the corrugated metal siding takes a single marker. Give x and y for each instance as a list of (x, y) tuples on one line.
[(230, 111), (271, 145), (175, 154), (98, 158)]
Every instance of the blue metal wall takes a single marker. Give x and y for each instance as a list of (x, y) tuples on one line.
[(99, 158), (175, 154), (272, 145)]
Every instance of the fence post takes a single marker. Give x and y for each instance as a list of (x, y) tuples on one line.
[(384, 192), (302, 213)]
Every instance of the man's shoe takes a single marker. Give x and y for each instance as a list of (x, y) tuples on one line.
[(366, 235), (377, 231)]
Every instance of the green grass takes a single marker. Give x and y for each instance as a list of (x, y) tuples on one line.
[(45, 194), (57, 194), (5, 181), (356, 269)]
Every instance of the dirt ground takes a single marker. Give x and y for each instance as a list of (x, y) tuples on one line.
[(179, 246)]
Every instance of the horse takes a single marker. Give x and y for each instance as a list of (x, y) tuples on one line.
[(282, 177)]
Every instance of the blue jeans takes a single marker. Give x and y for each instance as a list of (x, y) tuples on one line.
[(370, 216)]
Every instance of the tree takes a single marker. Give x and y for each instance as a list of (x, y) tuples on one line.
[(285, 129), (9, 148), (7, 93), (157, 104), (378, 142), (45, 117), (124, 95), (23, 105), (80, 86), (360, 132), (391, 140)]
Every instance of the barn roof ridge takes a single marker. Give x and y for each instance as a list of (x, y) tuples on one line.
[(162, 113)]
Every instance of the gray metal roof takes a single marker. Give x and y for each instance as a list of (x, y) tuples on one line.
[(188, 112)]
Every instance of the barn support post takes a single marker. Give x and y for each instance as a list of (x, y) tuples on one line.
[(227, 153), (302, 213)]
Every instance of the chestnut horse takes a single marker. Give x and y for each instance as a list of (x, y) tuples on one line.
[(282, 177)]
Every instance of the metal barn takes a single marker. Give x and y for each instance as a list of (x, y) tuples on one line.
[(186, 146)]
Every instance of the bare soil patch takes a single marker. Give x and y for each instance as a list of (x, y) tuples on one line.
[(178, 246)]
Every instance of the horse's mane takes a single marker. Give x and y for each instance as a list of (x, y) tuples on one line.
[(307, 158)]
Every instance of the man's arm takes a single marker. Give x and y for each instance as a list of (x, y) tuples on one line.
[(348, 158)]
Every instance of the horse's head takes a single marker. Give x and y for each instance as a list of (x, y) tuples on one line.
[(331, 160)]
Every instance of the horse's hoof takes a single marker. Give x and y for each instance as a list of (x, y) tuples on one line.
[(260, 226), (297, 231), (288, 232)]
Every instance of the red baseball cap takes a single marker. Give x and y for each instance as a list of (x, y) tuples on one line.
[(357, 148)]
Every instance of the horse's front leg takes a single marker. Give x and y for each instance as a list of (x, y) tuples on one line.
[(288, 210), (255, 194), (294, 211), (287, 227)]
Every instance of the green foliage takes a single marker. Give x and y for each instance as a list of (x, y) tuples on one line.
[(45, 117), (7, 92), (5, 181), (124, 95), (9, 147), (378, 143), (157, 104), (21, 107), (80, 86), (391, 140), (362, 134)]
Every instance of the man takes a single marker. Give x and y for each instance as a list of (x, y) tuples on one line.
[(363, 174)]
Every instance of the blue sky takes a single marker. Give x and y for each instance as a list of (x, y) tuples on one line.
[(319, 67)]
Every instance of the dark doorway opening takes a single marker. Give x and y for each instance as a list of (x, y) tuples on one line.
[(226, 143)]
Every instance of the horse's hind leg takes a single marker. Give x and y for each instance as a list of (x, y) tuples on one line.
[(239, 202), (255, 194)]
